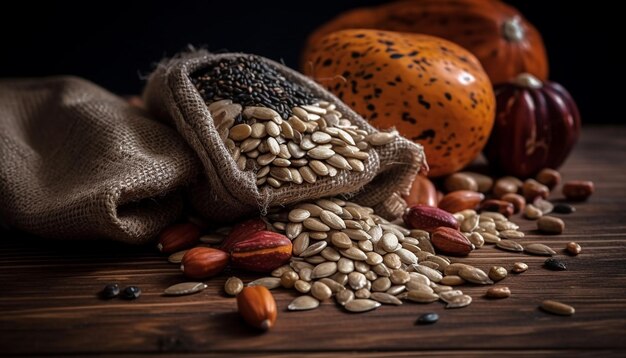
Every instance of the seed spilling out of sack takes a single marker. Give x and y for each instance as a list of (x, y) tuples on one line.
[(313, 141)]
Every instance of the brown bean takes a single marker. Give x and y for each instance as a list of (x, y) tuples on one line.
[(578, 190), (518, 201), (549, 177)]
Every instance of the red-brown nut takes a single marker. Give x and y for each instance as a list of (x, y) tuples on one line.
[(178, 237), (422, 192), (578, 190), (460, 181), (451, 242), (460, 200), (203, 262), (533, 189), (262, 251), (428, 218), (506, 185), (518, 201), (549, 177), (243, 231), (503, 207)]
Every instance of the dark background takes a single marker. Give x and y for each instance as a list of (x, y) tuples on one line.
[(116, 44)]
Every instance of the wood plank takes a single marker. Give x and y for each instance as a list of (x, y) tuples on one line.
[(49, 304)]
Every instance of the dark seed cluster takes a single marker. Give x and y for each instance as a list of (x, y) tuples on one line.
[(250, 82), (112, 290)]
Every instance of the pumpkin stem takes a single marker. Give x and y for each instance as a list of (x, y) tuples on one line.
[(512, 29), (527, 80)]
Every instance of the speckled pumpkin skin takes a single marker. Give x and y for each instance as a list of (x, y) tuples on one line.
[(431, 90), (476, 25)]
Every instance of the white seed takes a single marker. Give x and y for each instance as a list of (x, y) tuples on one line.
[(303, 303), (361, 305)]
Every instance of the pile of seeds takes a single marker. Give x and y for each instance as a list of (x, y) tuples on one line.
[(346, 251), (250, 82), (314, 142)]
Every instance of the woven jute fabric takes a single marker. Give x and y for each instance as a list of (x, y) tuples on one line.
[(77, 162), (226, 193)]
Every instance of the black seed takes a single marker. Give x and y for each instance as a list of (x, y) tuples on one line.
[(110, 291), (131, 292), (555, 265), (250, 82), (428, 318), (563, 209)]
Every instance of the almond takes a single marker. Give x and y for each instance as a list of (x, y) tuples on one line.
[(257, 307), (203, 262), (428, 218), (461, 200), (178, 237), (262, 251), (242, 231), (451, 241)]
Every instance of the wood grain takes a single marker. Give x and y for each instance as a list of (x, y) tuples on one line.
[(49, 304)]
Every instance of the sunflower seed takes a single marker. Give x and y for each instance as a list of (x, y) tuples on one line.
[(422, 296), (447, 296), (298, 215), (452, 280), (380, 138), (361, 305), (511, 234), (509, 245), (185, 288), (302, 286), (332, 220), (344, 296), (268, 282), (324, 269), (177, 257), (475, 275), (320, 291), (459, 301), (539, 249), (433, 275), (303, 303), (314, 249)]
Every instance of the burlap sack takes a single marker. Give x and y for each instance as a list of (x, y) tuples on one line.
[(77, 162), (227, 193)]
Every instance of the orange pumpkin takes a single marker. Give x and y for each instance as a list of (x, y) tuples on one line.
[(504, 42), (431, 90)]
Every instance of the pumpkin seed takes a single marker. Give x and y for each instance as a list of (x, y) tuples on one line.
[(380, 138), (361, 305), (356, 280), (362, 293), (298, 215), (332, 220), (433, 275), (447, 296), (557, 308), (354, 253), (303, 303)]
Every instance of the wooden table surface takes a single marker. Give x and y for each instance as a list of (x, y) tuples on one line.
[(48, 302)]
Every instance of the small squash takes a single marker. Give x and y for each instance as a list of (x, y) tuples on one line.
[(504, 42), (537, 125), (431, 90)]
